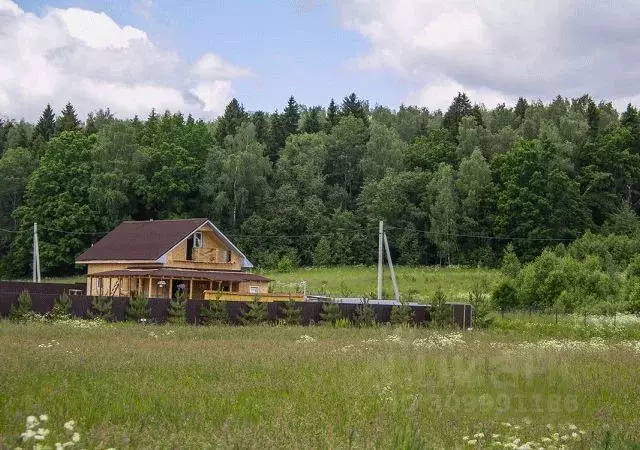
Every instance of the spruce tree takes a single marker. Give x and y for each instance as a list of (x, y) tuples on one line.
[(333, 116), (521, 108), (312, 121), (46, 126), (593, 119), (460, 107), (291, 117), (353, 106), (68, 120), (228, 123)]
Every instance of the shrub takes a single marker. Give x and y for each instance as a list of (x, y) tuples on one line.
[(482, 309), (285, 264), (138, 308), (290, 313), (330, 313), (441, 314), (101, 308), (214, 313), (505, 295), (255, 314), (61, 307), (22, 310), (401, 315), (177, 309), (510, 262), (364, 316)]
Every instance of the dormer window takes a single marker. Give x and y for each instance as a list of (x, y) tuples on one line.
[(198, 241)]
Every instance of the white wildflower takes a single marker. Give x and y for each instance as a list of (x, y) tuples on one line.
[(305, 339), (59, 446), (564, 437), (478, 435), (75, 437), (472, 442), (42, 431), (32, 420), (495, 436), (39, 437), (575, 436), (506, 424), (44, 417), (28, 435), (465, 438), (546, 440), (573, 427)]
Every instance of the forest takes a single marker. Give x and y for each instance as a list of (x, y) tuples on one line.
[(308, 185)]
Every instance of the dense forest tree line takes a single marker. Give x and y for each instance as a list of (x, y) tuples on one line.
[(309, 184)]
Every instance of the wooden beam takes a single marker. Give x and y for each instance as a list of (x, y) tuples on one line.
[(191, 289), (119, 286), (211, 285), (170, 293), (110, 286), (150, 280)]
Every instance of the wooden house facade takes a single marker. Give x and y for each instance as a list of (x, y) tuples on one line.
[(164, 257)]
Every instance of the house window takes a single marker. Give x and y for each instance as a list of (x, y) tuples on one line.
[(225, 256), (198, 239), (253, 289)]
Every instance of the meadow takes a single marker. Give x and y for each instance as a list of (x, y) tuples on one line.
[(418, 283), (125, 385)]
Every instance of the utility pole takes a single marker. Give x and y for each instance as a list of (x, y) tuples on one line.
[(380, 238), (393, 274), (36, 255)]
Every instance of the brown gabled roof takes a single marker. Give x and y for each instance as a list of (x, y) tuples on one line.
[(141, 241)]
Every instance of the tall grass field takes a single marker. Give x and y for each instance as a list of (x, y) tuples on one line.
[(148, 386), (418, 283)]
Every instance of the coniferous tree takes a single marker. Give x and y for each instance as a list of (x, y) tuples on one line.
[(46, 126), (228, 123), (333, 116), (353, 106), (261, 123), (311, 123), (460, 107), (593, 119), (68, 120), (521, 108), (291, 117)]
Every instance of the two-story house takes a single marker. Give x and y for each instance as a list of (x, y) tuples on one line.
[(160, 258)]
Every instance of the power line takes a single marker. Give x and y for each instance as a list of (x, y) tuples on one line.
[(479, 236), (363, 232)]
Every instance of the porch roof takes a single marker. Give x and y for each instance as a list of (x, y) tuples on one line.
[(182, 274)]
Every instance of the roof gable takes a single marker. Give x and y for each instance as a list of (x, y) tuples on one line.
[(149, 241)]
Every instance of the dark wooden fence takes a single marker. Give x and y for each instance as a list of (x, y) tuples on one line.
[(43, 296)]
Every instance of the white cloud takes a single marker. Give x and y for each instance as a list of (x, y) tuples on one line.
[(85, 57), (212, 93), (212, 66), (438, 95), (501, 50)]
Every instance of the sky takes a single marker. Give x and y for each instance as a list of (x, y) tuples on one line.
[(195, 55)]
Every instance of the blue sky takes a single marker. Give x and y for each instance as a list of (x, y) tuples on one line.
[(194, 56), (292, 47)]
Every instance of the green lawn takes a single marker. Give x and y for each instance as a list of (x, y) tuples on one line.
[(135, 386)]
